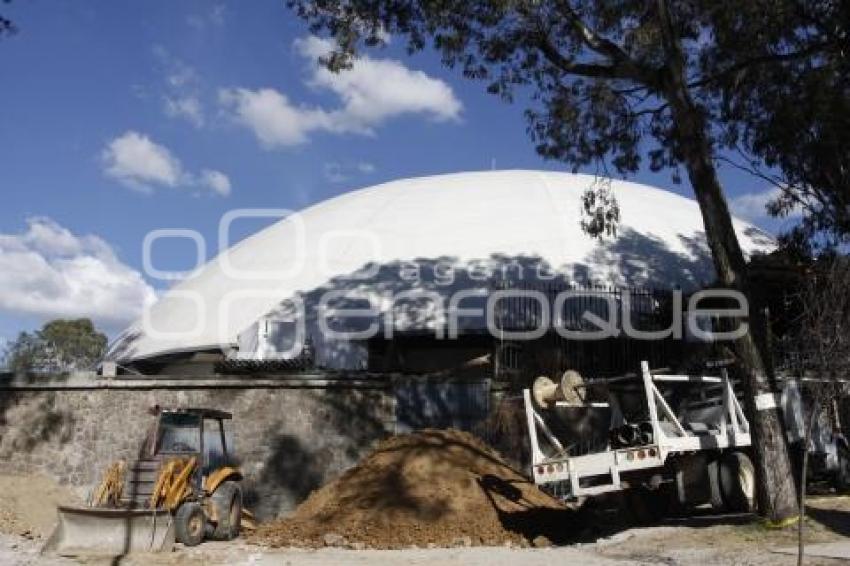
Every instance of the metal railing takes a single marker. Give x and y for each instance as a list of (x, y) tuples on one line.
[(551, 354)]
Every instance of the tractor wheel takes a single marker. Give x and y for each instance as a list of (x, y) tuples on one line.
[(841, 478), (189, 524), (738, 482), (227, 501)]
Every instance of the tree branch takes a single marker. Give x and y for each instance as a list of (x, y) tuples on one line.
[(650, 111), (595, 41), (760, 60), (617, 64), (593, 70)]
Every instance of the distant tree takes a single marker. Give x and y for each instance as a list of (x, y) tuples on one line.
[(823, 360), (614, 82), (60, 345), (21, 355)]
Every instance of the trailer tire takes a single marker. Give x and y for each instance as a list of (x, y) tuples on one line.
[(189, 524), (715, 492), (841, 479), (738, 482), (227, 501)]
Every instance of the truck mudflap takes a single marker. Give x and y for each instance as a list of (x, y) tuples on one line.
[(82, 531)]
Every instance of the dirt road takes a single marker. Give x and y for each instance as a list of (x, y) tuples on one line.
[(707, 540)]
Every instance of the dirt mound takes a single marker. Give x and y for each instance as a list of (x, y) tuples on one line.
[(433, 487), (28, 504)]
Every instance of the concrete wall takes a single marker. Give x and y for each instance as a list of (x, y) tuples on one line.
[(291, 435)]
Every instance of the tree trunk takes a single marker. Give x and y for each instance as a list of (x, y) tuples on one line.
[(776, 493)]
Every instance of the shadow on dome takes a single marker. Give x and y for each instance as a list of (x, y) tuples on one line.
[(631, 260)]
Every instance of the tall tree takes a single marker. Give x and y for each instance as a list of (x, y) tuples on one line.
[(614, 82), (790, 116), (60, 345)]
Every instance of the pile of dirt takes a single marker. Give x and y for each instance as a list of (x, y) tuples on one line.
[(28, 504), (433, 487)]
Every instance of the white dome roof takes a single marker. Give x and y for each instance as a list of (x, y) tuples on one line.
[(462, 219)]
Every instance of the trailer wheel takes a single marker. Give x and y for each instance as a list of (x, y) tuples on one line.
[(227, 500), (738, 482), (841, 479), (715, 492), (189, 524)]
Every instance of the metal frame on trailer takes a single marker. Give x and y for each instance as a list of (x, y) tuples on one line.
[(600, 472)]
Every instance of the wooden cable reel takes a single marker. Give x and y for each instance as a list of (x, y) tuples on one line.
[(570, 390)]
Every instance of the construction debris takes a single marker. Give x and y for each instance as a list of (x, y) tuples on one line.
[(429, 488)]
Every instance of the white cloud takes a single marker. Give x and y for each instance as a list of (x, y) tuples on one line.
[(216, 181), (214, 17), (178, 73), (182, 88), (752, 206), (365, 167), (333, 172), (376, 89), (50, 272), (138, 162), (370, 93), (217, 14), (186, 107), (337, 172), (274, 120)]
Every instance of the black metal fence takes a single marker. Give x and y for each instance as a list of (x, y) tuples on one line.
[(578, 345)]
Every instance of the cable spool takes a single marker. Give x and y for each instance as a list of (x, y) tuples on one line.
[(572, 387), (546, 392)]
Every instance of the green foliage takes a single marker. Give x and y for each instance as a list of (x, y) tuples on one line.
[(60, 345), (792, 113), (601, 209), (7, 26), (21, 355)]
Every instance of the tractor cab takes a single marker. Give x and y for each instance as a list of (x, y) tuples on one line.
[(194, 432)]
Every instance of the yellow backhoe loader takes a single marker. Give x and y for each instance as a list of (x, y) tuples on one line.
[(182, 488)]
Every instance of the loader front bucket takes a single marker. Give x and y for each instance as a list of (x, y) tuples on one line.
[(102, 531)]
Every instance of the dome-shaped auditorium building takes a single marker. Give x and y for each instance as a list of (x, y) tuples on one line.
[(347, 278)]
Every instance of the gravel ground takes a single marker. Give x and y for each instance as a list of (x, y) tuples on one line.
[(680, 545), (707, 539), (16, 550)]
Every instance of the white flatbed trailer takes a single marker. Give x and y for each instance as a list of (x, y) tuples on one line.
[(612, 469)]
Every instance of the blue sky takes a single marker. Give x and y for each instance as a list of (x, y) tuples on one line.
[(123, 117)]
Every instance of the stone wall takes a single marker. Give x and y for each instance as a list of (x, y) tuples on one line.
[(290, 435)]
